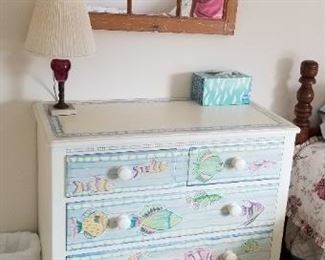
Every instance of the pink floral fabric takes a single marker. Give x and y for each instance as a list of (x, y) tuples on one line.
[(320, 188), (208, 8), (302, 245), (306, 203)]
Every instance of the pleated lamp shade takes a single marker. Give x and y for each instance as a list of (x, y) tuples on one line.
[(60, 28)]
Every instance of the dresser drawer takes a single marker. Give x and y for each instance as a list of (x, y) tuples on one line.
[(126, 171), (235, 162), (247, 246), (100, 223)]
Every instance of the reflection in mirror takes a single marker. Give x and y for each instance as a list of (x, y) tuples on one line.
[(107, 6), (210, 9), (176, 16), (185, 8), (154, 7)]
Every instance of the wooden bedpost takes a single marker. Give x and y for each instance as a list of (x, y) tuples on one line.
[(305, 96)]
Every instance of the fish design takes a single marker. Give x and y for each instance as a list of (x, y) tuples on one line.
[(251, 210), (157, 218), (93, 185), (153, 219), (79, 187), (93, 225), (73, 227), (153, 167), (203, 199), (102, 185), (250, 246), (207, 165), (263, 164)]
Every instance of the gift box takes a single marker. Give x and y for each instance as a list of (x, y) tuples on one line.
[(211, 88)]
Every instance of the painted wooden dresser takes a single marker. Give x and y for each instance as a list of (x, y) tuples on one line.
[(165, 180)]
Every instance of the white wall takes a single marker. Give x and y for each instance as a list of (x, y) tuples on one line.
[(272, 38)]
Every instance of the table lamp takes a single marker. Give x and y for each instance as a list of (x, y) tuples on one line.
[(60, 29)]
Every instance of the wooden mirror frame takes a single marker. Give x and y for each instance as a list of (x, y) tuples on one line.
[(159, 23)]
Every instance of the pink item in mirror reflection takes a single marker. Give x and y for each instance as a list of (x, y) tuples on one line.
[(208, 8)]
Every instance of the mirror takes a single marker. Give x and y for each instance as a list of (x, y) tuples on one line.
[(154, 7), (181, 16), (107, 6)]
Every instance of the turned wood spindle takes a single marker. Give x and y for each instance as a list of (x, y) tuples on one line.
[(305, 96), (129, 7), (178, 8)]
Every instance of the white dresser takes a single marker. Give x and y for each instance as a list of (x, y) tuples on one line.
[(165, 180)]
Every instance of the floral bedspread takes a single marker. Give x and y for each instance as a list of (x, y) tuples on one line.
[(306, 204), (301, 245)]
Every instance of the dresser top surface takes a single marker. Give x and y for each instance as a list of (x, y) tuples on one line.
[(144, 117)]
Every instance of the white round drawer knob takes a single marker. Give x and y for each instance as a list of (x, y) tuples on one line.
[(238, 163), (235, 210), (229, 255), (123, 222), (124, 173)]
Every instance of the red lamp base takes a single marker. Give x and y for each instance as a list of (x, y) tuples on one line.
[(61, 70), (61, 104)]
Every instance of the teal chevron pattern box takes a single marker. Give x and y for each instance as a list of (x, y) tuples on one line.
[(211, 88)]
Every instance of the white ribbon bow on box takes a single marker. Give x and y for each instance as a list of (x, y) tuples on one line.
[(223, 73)]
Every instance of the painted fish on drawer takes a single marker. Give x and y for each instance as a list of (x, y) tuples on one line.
[(153, 219), (205, 253), (250, 246), (194, 254), (202, 199), (251, 209), (100, 184), (93, 185), (93, 225), (234, 163), (253, 249), (117, 172), (207, 166)]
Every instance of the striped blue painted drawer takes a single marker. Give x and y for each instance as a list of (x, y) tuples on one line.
[(254, 245), (235, 162), (191, 211), (125, 171)]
